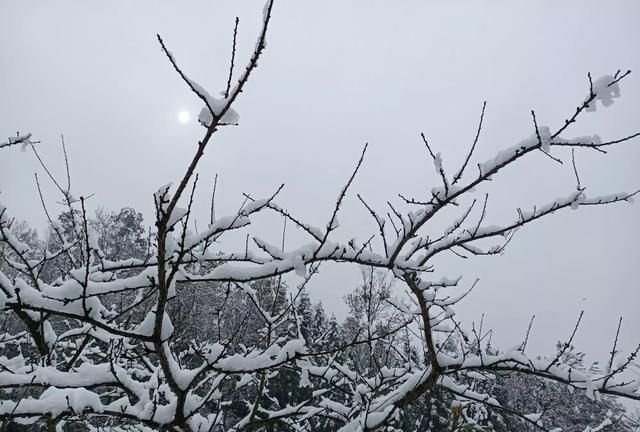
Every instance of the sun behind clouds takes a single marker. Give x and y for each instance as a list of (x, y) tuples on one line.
[(184, 117)]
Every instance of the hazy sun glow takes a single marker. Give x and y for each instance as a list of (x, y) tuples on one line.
[(184, 117)]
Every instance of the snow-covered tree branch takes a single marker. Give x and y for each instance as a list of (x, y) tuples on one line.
[(106, 326)]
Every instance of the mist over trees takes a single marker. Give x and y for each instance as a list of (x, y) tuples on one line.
[(109, 324)]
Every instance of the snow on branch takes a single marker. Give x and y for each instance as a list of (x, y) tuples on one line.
[(195, 331), (23, 140)]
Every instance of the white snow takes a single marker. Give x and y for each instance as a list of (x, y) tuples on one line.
[(605, 92)]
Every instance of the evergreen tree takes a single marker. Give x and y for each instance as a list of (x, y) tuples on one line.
[(573, 410), (121, 235)]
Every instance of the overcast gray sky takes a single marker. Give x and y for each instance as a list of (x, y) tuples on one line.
[(337, 74)]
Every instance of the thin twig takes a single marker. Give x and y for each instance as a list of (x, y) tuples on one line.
[(213, 200), (233, 58), (458, 176)]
